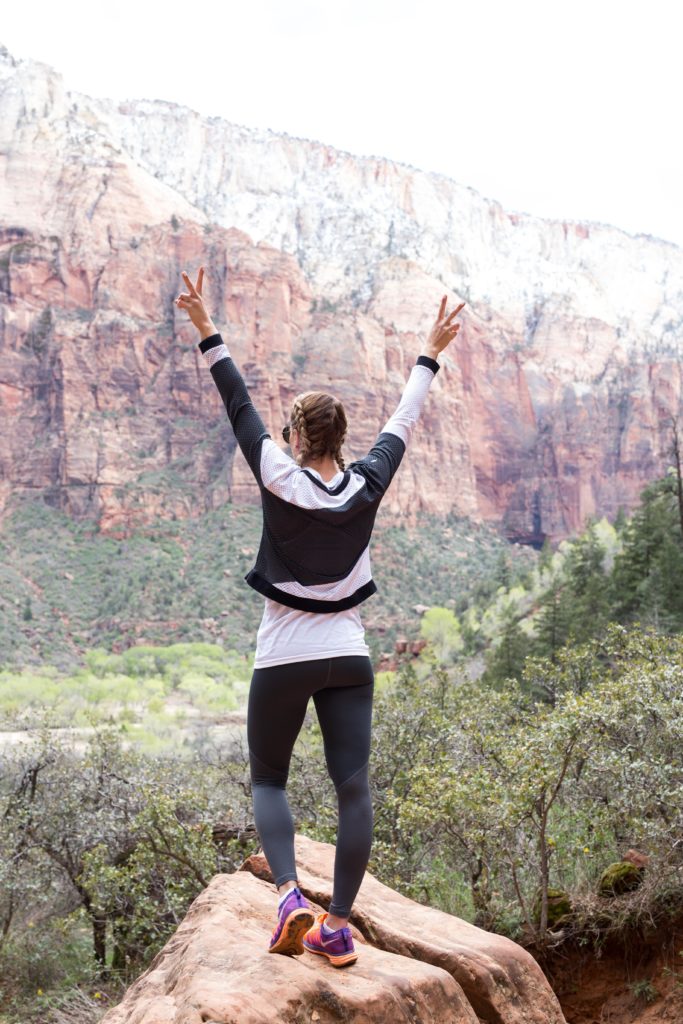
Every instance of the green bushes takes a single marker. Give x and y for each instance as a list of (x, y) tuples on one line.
[(133, 686), (101, 854), (531, 797), (489, 803), (65, 588), (507, 809)]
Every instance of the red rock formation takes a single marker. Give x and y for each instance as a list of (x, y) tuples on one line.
[(106, 406), (553, 406), (502, 982), (217, 968), (103, 393), (414, 964)]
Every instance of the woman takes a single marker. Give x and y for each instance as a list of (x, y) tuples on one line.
[(313, 568)]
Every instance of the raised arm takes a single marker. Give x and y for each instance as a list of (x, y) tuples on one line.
[(250, 431), (384, 458)]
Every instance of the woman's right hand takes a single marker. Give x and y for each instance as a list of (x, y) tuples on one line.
[(443, 331)]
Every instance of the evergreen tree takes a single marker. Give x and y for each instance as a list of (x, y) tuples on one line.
[(506, 659), (553, 621), (588, 586), (647, 580), (621, 520), (546, 557), (678, 470)]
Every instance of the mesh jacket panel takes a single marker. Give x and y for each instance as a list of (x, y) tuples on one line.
[(313, 553)]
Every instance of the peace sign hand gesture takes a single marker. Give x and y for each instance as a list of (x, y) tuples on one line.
[(444, 330), (192, 301)]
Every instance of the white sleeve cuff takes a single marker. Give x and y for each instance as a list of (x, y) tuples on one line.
[(213, 355)]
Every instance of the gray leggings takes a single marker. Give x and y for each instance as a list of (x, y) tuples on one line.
[(342, 691)]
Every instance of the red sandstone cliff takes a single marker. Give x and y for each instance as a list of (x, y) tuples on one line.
[(553, 406)]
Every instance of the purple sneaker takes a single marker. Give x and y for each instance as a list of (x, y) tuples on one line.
[(294, 918), (337, 947)]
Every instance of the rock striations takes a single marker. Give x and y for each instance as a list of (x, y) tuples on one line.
[(415, 964), (325, 270)]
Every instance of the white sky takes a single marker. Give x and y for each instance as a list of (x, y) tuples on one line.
[(562, 109)]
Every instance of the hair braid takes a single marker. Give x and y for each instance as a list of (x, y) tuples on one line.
[(339, 458), (298, 419), (340, 423), (320, 421)]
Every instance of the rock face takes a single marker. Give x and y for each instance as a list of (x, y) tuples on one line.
[(216, 968), (415, 964), (325, 270)]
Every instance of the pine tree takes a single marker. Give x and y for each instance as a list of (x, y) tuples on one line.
[(588, 586), (647, 580), (506, 659), (553, 621)]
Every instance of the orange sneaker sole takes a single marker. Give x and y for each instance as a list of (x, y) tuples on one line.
[(291, 937)]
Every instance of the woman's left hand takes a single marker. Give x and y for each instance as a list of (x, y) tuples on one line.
[(192, 301)]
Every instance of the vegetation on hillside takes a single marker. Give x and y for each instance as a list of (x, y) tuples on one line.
[(153, 694), (489, 804), (628, 572), (66, 588), (509, 798)]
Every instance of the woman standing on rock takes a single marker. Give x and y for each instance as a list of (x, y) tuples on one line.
[(313, 568)]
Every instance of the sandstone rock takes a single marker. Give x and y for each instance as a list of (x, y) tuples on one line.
[(621, 877), (502, 982), (641, 860), (325, 270), (216, 968)]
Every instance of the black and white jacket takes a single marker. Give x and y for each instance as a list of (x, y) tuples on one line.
[(314, 552)]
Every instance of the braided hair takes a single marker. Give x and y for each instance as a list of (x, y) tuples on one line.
[(320, 421)]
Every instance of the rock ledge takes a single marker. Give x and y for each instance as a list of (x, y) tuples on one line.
[(416, 965)]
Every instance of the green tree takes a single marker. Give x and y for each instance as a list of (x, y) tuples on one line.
[(441, 629), (587, 600), (647, 580), (552, 622), (127, 838), (507, 655)]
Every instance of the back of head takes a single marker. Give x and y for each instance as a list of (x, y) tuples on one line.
[(320, 421)]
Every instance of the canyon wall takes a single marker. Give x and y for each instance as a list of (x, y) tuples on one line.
[(324, 270)]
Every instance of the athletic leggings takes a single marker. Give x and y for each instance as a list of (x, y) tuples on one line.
[(342, 693)]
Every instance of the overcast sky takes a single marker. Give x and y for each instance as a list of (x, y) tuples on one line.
[(569, 110)]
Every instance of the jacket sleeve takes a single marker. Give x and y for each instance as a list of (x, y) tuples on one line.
[(384, 458), (250, 430)]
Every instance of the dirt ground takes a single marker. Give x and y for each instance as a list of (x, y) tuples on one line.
[(637, 981)]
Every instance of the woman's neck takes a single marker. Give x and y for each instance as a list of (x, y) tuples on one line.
[(327, 467)]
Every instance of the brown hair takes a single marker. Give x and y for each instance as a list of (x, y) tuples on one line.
[(320, 421)]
